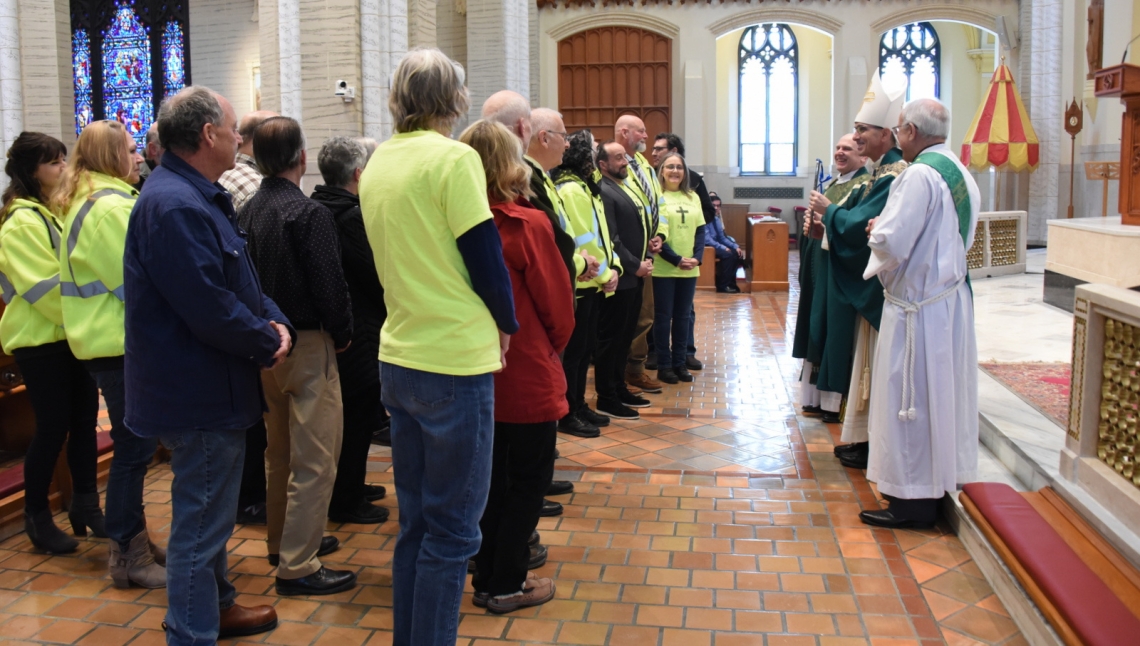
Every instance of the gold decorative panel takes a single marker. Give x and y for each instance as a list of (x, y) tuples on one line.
[(1077, 379), (1120, 400), (976, 256), (1003, 242)]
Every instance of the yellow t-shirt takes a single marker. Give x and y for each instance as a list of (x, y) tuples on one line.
[(419, 193), (683, 215)]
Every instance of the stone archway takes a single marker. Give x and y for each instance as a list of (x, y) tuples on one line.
[(605, 72)]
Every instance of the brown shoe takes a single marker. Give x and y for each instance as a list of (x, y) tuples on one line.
[(241, 621), (535, 592), (644, 382), (633, 390)]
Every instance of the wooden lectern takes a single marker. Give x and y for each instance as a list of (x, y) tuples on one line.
[(1123, 81), (768, 250)]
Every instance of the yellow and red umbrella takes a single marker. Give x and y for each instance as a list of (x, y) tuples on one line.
[(1001, 135)]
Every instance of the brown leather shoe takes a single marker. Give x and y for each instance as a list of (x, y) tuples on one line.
[(241, 621), (633, 390), (644, 382)]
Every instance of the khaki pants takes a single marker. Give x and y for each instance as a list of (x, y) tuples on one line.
[(640, 348), (304, 427)]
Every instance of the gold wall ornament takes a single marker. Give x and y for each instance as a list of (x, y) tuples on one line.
[(1118, 430), (1077, 378)]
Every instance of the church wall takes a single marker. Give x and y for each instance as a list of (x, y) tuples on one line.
[(49, 103), (224, 49), (451, 31)]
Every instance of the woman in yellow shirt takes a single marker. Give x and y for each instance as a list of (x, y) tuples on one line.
[(675, 269)]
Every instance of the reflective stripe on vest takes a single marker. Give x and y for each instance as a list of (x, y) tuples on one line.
[(40, 289), (97, 287), (9, 289)]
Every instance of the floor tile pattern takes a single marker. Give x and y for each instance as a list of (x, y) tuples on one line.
[(684, 528)]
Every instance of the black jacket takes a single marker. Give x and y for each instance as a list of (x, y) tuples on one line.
[(541, 201), (359, 370), (294, 246), (697, 183), (627, 231)]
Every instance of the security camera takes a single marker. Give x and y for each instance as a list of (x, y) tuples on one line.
[(345, 91)]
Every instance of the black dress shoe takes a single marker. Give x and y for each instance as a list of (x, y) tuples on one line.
[(550, 508), (693, 363), (251, 515), (372, 492), (323, 581), (854, 448), (329, 544), (578, 427), (732, 289), (557, 454), (534, 538), (651, 363), (616, 409), (537, 557), (812, 411), (364, 514), (633, 401), (666, 375), (683, 374), (383, 436), (829, 417), (560, 488), (853, 461), (884, 518), (590, 417)]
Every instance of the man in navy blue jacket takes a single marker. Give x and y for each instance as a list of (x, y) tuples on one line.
[(198, 332)]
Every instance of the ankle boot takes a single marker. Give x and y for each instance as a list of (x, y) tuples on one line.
[(46, 536), (159, 553), (85, 513), (136, 565)]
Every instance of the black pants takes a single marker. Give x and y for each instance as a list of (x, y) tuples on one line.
[(362, 414), (672, 304), (576, 359), (522, 465), (726, 269), (253, 470), (66, 402), (617, 322)]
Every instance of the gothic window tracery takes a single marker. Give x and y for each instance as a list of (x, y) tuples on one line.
[(127, 56), (769, 100), (914, 53)]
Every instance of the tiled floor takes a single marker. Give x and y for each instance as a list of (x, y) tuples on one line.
[(721, 519)]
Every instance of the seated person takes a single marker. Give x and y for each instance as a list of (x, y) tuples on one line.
[(728, 252)]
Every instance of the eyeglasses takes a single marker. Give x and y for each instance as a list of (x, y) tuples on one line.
[(673, 167), (555, 132), (660, 149), (899, 127)]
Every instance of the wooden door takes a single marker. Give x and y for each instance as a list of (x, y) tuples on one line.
[(606, 72)]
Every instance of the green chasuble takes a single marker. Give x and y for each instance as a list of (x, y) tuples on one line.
[(813, 275), (848, 295)]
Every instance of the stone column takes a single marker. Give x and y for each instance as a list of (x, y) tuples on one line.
[(421, 24), (383, 40), (281, 56), (1041, 58), (11, 90), (498, 49)]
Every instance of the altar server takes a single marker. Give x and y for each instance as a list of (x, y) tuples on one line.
[(924, 398)]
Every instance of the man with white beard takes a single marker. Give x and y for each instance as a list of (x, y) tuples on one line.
[(924, 397)]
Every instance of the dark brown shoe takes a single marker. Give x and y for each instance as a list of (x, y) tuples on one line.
[(241, 621)]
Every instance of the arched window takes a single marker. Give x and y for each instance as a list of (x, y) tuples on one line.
[(769, 100), (912, 52), (127, 56)]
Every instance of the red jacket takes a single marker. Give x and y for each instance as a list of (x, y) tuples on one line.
[(532, 388)]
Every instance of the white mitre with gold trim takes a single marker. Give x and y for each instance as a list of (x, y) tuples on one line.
[(882, 106)]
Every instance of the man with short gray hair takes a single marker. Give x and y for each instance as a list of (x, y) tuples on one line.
[(341, 161), (294, 246), (198, 333), (243, 180)]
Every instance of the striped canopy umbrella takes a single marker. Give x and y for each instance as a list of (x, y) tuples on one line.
[(1001, 135)]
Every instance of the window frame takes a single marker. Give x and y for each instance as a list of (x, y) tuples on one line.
[(744, 55), (909, 53)]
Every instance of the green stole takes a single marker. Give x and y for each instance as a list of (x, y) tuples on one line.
[(957, 184)]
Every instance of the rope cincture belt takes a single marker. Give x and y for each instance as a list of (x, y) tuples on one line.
[(911, 309)]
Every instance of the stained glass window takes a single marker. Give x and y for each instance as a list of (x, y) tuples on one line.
[(81, 63), (769, 100), (173, 72), (912, 52), (127, 56)]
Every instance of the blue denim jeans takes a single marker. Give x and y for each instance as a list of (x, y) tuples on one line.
[(207, 478), (124, 508), (672, 302), (442, 439)]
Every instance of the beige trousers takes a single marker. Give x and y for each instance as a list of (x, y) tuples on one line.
[(639, 351), (304, 427)]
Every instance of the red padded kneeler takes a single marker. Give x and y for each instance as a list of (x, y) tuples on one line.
[(1094, 613)]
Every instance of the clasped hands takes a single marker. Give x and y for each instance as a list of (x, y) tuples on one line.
[(284, 348)]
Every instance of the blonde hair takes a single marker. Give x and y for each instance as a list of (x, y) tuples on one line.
[(427, 91), (508, 176), (100, 149)]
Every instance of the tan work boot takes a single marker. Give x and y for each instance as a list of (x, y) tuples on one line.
[(136, 565), (644, 382)]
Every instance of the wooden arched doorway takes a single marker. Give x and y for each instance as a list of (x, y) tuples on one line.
[(606, 72)]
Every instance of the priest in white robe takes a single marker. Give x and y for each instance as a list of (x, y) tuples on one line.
[(924, 393)]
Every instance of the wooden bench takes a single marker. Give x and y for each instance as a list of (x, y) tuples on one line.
[(1085, 589)]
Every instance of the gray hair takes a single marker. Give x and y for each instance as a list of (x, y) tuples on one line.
[(339, 158), (543, 119), (182, 117), (427, 91), (370, 146), (507, 108), (929, 117)]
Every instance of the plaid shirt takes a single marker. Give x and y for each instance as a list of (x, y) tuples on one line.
[(242, 181)]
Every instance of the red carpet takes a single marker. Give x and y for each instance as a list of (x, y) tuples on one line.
[(1045, 386)]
